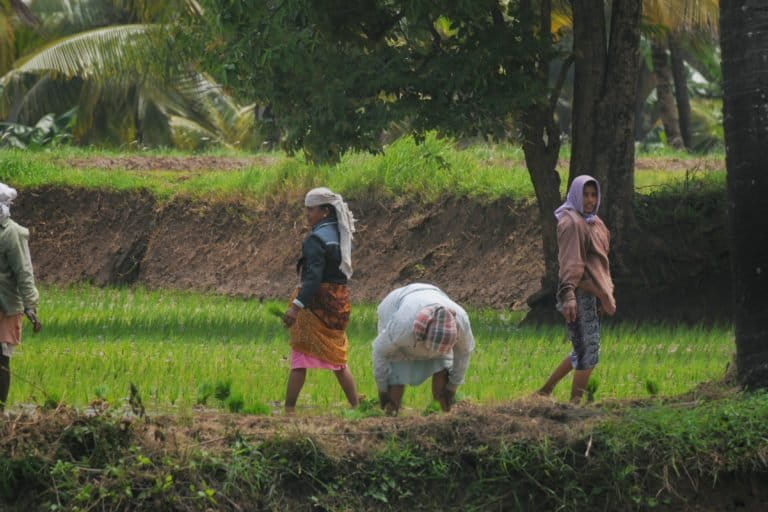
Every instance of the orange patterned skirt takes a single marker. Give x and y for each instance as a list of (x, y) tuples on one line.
[(319, 330), (10, 328)]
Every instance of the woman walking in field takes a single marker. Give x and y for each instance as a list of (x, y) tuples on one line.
[(585, 286), (319, 310), (18, 294)]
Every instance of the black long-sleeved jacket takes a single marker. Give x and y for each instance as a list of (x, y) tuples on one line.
[(320, 260)]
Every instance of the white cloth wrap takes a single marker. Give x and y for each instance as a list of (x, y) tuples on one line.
[(322, 195), (7, 195)]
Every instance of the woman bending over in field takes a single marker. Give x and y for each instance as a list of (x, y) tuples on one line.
[(319, 309), (585, 286), (422, 333)]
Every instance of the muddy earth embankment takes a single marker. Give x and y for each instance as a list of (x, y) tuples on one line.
[(482, 254)]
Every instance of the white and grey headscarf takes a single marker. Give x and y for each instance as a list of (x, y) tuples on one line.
[(344, 217), (7, 195)]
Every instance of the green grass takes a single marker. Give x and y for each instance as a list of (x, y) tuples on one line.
[(172, 345), (422, 172)]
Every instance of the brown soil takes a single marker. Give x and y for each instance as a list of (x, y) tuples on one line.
[(533, 419), (86, 235), (483, 255), (122, 237), (168, 163)]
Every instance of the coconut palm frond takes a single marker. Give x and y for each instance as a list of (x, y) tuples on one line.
[(562, 16), (44, 95), (107, 72), (60, 18), (202, 102), (213, 108), (561, 21), (22, 11), (193, 7), (683, 15), (185, 98), (246, 133), (7, 52), (187, 134), (106, 51)]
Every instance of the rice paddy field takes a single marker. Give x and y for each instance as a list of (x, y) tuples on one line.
[(184, 350)]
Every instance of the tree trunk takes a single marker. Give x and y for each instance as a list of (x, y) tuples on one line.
[(665, 94), (744, 45), (541, 146), (616, 123), (646, 83), (605, 92), (680, 77), (589, 49)]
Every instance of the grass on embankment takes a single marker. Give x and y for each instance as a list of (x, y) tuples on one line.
[(638, 459), (422, 172), (178, 348)]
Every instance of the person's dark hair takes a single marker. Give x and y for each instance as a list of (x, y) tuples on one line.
[(329, 209)]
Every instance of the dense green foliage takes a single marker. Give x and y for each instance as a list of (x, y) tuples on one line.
[(336, 75), (645, 458), (49, 130)]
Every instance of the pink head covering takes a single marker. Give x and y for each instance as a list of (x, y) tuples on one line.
[(575, 198), (436, 326)]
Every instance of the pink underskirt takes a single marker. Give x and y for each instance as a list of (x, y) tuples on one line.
[(302, 360)]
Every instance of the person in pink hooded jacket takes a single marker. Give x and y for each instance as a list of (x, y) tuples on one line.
[(585, 286)]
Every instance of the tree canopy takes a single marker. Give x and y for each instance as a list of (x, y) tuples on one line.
[(336, 74)]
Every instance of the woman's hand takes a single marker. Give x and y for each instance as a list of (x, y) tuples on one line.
[(32, 315), (289, 318), (608, 305), (569, 311), (446, 399)]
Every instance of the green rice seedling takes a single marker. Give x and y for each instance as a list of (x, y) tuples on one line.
[(52, 401), (204, 392), (222, 390), (257, 409), (652, 387), (101, 392), (591, 389), (367, 408), (235, 403), (432, 408)]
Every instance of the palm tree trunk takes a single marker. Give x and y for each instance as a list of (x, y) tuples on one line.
[(646, 83), (605, 94), (590, 53), (665, 95), (744, 44), (680, 76), (616, 123)]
